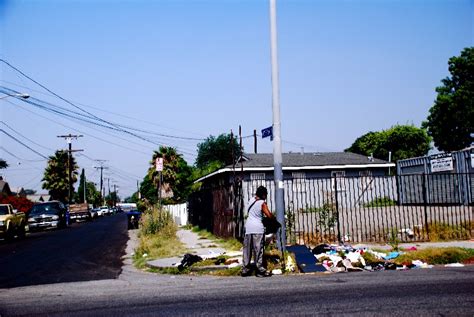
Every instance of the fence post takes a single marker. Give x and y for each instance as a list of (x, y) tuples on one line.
[(425, 205), (337, 211)]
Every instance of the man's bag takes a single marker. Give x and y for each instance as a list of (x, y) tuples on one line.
[(271, 225)]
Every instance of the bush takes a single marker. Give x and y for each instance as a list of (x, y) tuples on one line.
[(157, 233), (444, 232), (157, 220), (381, 202), (19, 203)]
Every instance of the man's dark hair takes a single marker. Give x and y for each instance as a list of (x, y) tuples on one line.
[(261, 192)]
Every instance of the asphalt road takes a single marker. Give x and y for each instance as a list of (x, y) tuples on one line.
[(110, 291), (429, 292), (83, 252)]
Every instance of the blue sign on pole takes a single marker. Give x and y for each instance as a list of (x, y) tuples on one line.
[(267, 132)]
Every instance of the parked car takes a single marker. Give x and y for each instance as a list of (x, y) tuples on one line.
[(12, 222), (105, 210), (99, 211), (52, 214), (94, 212), (79, 212)]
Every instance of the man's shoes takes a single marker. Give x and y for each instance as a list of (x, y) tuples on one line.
[(245, 274), (263, 274)]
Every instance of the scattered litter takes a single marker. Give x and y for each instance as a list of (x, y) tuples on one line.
[(322, 248), (391, 256), (188, 260), (290, 264), (234, 265), (276, 272), (145, 255), (421, 264), (408, 232), (411, 249), (231, 261), (454, 265)]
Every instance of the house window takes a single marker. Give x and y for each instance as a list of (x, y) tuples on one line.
[(366, 180), (298, 175), (339, 177), (257, 179), (257, 176), (299, 181), (365, 173)]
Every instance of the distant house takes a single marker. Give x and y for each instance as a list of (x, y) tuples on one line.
[(4, 188), (19, 192), (39, 198), (309, 180)]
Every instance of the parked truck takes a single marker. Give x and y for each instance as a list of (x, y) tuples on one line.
[(12, 223), (78, 212)]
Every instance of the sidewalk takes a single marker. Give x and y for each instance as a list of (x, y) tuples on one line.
[(206, 248), (196, 245)]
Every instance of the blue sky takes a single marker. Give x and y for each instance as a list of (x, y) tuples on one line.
[(198, 68)]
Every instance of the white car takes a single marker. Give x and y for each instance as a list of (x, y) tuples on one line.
[(105, 210), (99, 212)]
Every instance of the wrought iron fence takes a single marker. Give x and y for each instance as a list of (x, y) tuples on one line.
[(418, 207), (403, 208)]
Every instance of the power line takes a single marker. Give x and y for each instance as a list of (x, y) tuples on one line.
[(23, 144), (34, 101), (19, 158), (89, 135), (110, 112), (46, 148)]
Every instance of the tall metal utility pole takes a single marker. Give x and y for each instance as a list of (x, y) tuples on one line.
[(277, 156), (255, 141), (69, 138), (101, 167), (115, 195)]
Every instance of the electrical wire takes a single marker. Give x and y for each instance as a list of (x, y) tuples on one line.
[(109, 112), (80, 117), (11, 136), (46, 148)]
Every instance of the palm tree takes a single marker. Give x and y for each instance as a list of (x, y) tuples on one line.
[(56, 178), (3, 164), (175, 175)]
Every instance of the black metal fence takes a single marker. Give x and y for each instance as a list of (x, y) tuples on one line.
[(404, 208)]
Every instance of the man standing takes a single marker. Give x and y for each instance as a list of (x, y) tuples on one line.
[(254, 240)]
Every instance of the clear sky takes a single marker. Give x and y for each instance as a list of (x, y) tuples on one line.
[(197, 68)]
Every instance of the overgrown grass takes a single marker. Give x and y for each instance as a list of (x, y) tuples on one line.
[(381, 202), (436, 255), (157, 237), (445, 232)]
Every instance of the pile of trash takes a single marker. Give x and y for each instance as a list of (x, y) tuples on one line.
[(345, 258)]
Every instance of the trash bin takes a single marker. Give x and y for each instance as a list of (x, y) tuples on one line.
[(133, 218)]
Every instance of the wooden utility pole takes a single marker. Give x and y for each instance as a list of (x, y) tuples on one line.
[(69, 138), (101, 167)]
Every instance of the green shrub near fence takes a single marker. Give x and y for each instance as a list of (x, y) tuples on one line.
[(381, 202)]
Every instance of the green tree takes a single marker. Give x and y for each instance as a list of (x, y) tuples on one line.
[(149, 190), (222, 149), (79, 198), (451, 118), (55, 177), (404, 141), (92, 194), (176, 175), (3, 164), (112, 198)]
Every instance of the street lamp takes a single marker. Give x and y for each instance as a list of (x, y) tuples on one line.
[(18, 95)]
